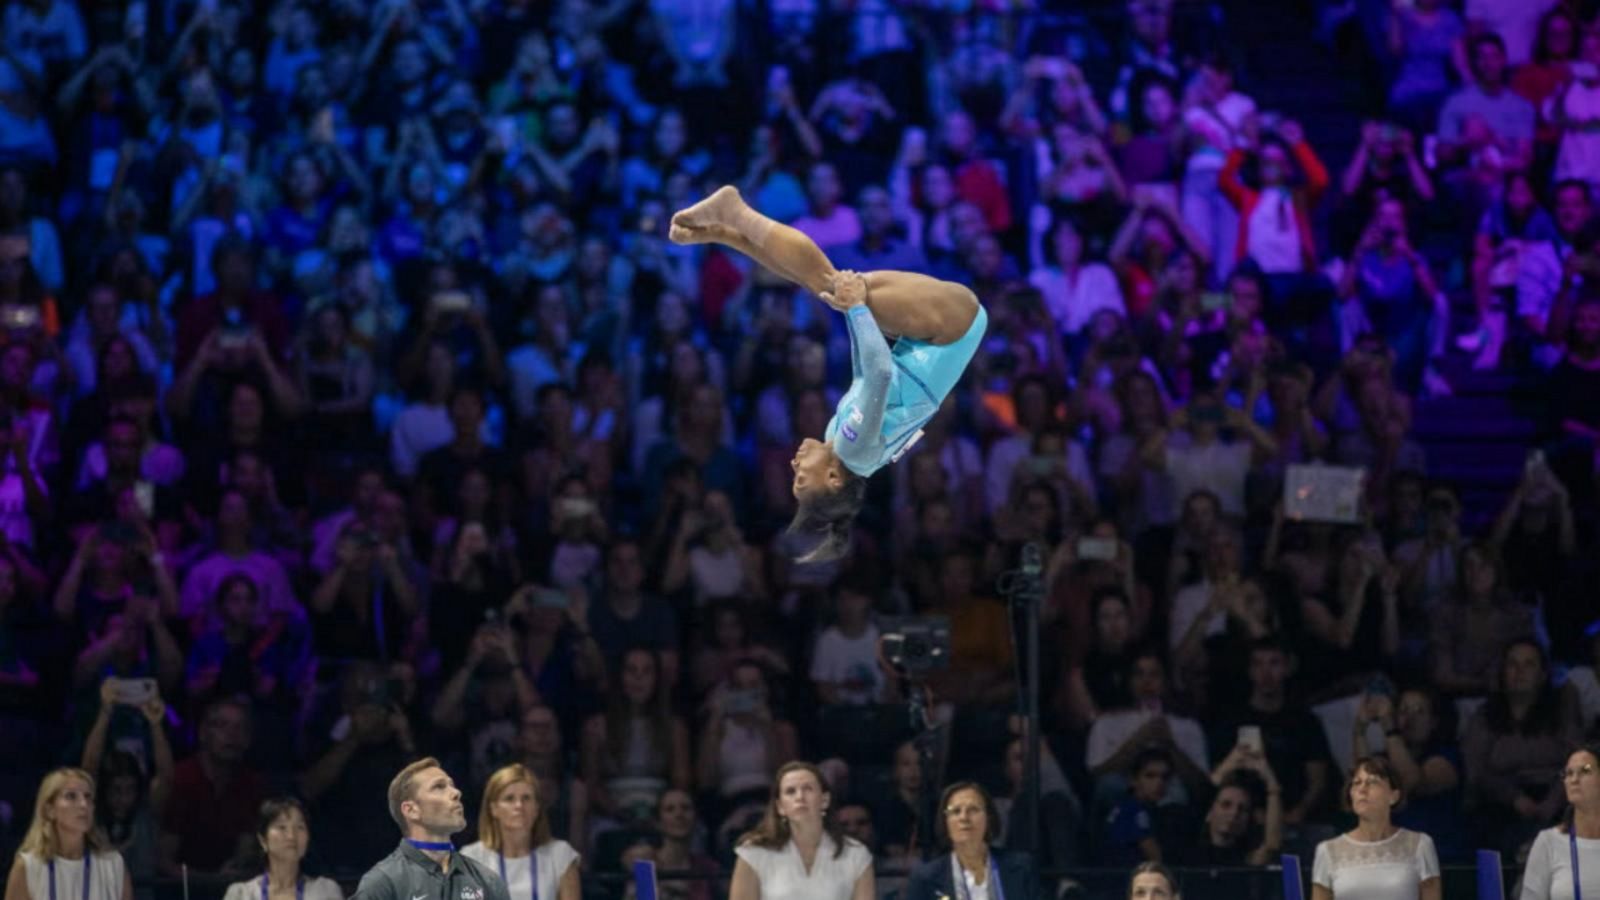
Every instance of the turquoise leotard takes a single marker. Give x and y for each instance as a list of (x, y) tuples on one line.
[(895, 391)]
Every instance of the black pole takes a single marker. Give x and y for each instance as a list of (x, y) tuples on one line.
[(1024, 591), (1030, 596)]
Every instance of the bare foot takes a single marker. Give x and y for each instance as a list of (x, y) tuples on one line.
[(683, 234), (700, 234), (720, 208)]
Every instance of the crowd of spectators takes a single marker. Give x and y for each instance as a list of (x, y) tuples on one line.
[(354, 406)]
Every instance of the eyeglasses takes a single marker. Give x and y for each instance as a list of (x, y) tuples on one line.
[(958, 812), (1580, 772)]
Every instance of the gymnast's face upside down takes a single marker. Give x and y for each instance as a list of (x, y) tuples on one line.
[(817, 470)]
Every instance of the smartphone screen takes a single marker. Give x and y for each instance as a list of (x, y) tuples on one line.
[(1250, 736)]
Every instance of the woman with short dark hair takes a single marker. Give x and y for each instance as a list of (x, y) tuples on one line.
[(1376, 860), (968, 823)]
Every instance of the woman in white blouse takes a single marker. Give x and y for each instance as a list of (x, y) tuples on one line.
[(284, 833), (515, 840), (64, 856), (1378, 860), (796, 852), (1549, 874)]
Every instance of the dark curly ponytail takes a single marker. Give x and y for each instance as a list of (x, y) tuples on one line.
[(831, 516)]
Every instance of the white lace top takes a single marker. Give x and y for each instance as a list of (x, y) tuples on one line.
[(1390, 869)]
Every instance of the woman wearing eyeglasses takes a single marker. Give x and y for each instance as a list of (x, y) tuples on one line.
[(968, 824), (1377, 860), (1550, 874)]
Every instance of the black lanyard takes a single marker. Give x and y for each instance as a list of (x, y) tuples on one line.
[(299, 887), (52, 867), (533, 873)]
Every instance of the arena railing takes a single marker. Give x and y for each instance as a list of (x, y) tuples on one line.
[(1088, 883)]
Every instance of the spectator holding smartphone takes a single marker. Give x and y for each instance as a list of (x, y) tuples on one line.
[(1118, 738), (1244, 824), (1419, 741), (481, 707), (1290, 737), (242, 651), (1209, 459), (743, 739), (1395, 290), (134, 791), (370, 735)]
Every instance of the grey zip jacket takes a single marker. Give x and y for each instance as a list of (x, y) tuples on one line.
[(408, 874)]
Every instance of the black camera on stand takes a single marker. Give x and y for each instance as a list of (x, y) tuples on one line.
[(915, 645)]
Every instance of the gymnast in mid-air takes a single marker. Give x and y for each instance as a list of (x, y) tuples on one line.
[(936, 326)]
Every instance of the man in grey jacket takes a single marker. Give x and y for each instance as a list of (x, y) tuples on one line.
[(426, 804)]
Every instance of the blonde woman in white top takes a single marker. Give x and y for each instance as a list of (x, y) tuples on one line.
[(284, 834), (64, 856), (796, 853), (515, 840), (1378, 860)]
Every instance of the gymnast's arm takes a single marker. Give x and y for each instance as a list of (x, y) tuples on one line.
[(872, 364)]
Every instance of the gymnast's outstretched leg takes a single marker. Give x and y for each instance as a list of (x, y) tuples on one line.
[(904, 303)]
